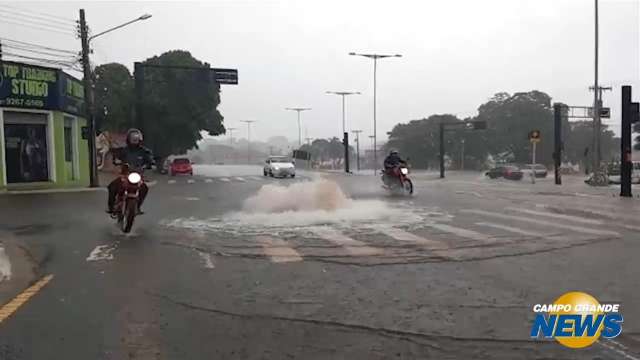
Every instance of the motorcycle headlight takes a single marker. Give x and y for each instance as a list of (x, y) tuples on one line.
[(404, 171), (276, 168), (134, 178)]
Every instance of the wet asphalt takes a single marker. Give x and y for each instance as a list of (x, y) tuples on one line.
[(167, 292)]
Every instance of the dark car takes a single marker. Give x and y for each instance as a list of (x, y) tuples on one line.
[(507, 172)]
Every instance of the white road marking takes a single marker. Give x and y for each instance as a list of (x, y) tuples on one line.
[(352, 246), (208, 181), (510, 229), (171, 182), (190, 181), (402, 235), (240, 179), (558, 216), (224, 179), (470, 234), (544, 223), (102, 252), (5, 265), (278, 250), (255, 178), (208, 261), (606, 214), (192, 198)]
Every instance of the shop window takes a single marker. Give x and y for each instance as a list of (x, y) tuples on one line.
[(26, 150)]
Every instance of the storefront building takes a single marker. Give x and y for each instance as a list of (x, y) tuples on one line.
[(41, 129)]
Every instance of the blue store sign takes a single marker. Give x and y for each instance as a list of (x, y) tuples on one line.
[(36, 87)]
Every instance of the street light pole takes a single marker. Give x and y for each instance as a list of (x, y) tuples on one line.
[(248, 122), (88, 90), (596, 107), (298, 110), (357, 132), (375, 58), (230, 130), (343, 94)]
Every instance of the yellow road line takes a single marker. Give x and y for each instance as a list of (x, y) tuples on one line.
[(9, 308)]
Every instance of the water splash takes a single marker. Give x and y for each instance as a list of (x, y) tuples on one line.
[(294, 208)]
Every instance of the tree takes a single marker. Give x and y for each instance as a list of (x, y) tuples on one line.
[(114, 97), (179, 103), (419, 139)]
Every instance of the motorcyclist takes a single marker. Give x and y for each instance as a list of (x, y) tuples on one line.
[(137, 157), (391, 163)]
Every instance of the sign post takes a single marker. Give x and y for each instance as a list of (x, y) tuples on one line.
[(534, 138)]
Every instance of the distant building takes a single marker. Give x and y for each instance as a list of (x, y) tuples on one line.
[(42, 142)]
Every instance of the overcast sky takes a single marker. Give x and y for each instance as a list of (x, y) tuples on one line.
[(456, 53)]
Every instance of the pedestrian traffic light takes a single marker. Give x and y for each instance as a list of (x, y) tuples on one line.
[(534, 136)]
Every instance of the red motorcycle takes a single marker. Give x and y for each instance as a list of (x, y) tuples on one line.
[(396, 180), (126, 205)]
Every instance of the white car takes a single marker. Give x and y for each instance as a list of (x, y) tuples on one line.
[(279, 166)]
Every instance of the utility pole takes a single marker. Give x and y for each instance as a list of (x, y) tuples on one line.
[(597, 122), (357, 132), (248, 122), (88, 96), (308, 140), (230, 130)]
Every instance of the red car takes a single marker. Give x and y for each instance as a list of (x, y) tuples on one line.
[(180, 166)]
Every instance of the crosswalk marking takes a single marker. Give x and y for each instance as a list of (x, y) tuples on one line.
[(510, 229), (239, 178), (544, 223), (558, 216), (171, 182), (402, 235), (278, 250), (190, 181), (352, 246), (208, 181), (255, 178), (224, 179), (470, 234)]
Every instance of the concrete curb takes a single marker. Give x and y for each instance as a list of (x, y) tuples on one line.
[(51, 191), (63, 190)]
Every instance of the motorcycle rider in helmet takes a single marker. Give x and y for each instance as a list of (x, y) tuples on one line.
[(391, 162), (137, 157)]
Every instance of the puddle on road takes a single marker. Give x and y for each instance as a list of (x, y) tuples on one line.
[(301, 205)]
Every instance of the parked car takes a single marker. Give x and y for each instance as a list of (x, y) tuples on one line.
[(279, 166), (539, 170), (181, 166), (509, 172)]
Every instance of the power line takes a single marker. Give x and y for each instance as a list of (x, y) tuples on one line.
[(70, 29), (30, 18), (51, 61), (19, 48), (39, 14), (38, 46), (69, 33)]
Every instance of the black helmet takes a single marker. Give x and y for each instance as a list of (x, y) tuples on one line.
[(134, 137)]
